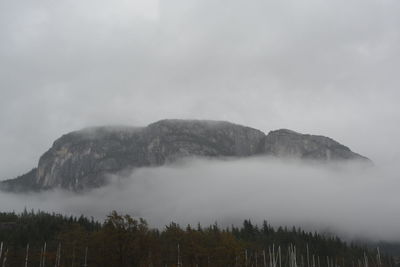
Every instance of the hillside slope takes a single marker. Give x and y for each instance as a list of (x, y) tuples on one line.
[(82, 159)]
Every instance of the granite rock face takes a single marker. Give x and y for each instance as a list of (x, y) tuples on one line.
[(82, 160), (287, 143)]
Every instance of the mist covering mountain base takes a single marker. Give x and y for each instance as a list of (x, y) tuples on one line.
[(348, 199), (84, 159)]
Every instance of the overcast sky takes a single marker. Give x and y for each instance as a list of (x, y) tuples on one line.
[(322, 67)]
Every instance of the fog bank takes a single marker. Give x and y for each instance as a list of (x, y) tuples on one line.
[(350, 200)]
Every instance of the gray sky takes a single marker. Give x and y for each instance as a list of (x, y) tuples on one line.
[(322, 67)]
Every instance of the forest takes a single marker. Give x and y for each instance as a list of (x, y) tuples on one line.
[(43, 239)]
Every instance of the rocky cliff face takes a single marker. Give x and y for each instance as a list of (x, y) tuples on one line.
[(287, 143), (82, 160)]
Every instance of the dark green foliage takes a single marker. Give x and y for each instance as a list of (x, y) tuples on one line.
[(124, 241)]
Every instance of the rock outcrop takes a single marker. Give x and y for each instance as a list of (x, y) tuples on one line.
[(82, 160), (287, 143)]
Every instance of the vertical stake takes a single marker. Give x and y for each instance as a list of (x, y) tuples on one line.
[(26, 257)]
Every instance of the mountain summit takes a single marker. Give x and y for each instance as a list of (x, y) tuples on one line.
[(83, 159)]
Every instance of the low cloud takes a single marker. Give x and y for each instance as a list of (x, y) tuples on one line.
[(351, 200)]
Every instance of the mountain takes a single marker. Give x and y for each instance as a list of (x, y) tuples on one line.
[(82, 159)]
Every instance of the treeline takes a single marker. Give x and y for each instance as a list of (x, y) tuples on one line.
[(43, 239)]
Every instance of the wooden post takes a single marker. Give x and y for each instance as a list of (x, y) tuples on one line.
[(379, 257), (151, 260), (58, 255), (256, 259), (270, 257), (55, 262), (26, 256), (179, 256), (5, 258), (73, 256), (280, 257), (41, 257), (273, 256), (86, 251), (365, 260), (44, 254), (264, 259)]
